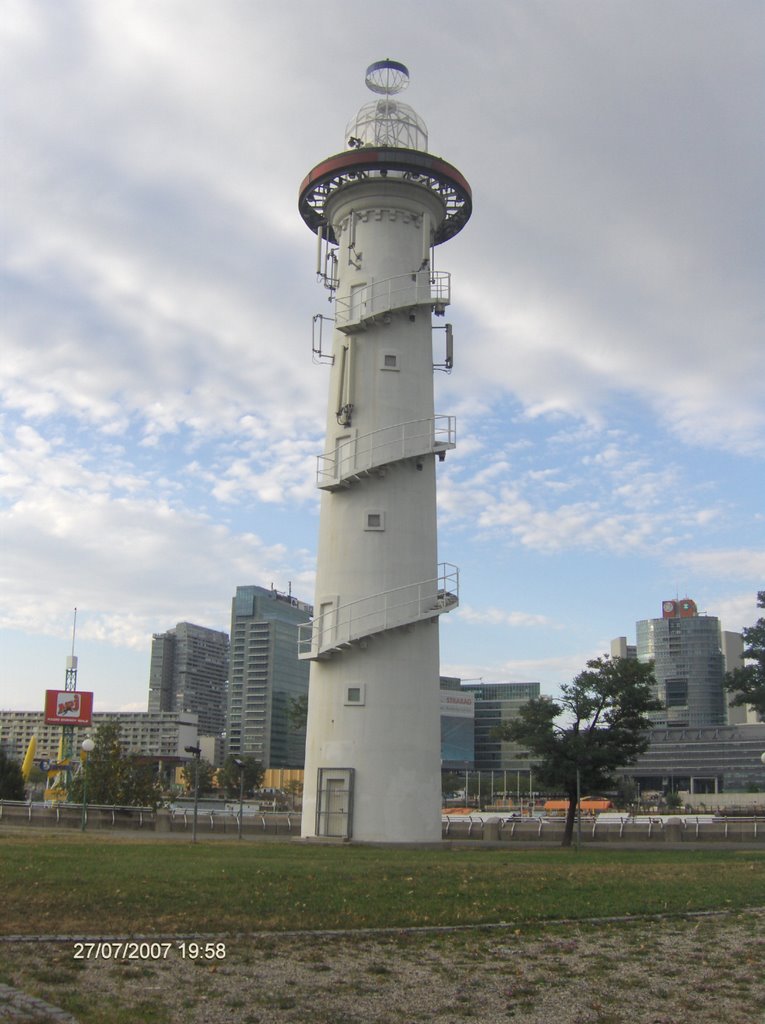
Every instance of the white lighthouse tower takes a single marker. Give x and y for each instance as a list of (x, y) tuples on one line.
[(372, 769)]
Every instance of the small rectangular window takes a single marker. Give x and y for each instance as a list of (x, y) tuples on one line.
[(374, 520), (354, 695), (389, 361)]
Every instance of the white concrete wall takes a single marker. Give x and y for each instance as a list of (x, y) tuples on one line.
[(391, 740)]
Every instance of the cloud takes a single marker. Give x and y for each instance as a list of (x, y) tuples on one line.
[(157, 396), (551, 672), (737, 611), (730, 563), (646, 181), (128, 556), (596, 491), (501, 617)]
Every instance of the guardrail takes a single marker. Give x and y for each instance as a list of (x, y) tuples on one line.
[(359, 455), (70, 815), (509, 830), (681, 830), (102, 817), (225, 822), (431, 288), (368, 616)]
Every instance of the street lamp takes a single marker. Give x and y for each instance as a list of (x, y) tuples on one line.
[(240, 766), (196, 753), (87, 747)]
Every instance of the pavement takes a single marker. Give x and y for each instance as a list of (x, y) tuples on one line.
[(18, 1008)]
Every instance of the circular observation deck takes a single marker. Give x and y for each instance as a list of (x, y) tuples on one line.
[(344, 170)]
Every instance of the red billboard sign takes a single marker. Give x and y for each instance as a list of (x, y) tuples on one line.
[(68, 707)]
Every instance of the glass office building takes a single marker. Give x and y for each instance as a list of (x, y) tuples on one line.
[(689, 665), (265, 675), (188, 672), (496, 704)]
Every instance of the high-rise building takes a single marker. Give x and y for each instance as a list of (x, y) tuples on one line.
[(496, 705), (689, 667), (689, 663), (690, 745), (265, 676), (188, 672)]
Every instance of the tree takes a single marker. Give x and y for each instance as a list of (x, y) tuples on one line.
[(230, 774), (206, 775), (297, 712), (294, 790), (673, 801), (605, 728), (748, 683), (115, 778), (11, 779)]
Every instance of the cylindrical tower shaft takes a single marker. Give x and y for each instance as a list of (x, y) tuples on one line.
[(372, 767)]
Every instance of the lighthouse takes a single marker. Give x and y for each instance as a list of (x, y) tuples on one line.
[(379, 209)]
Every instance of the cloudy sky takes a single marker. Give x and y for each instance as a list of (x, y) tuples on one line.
[(159, 409)]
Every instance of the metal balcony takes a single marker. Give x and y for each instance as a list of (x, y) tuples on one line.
[(371, 302), (357, 621), (359, 456)]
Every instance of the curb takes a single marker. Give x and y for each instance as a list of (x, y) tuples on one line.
[(17, 1007)]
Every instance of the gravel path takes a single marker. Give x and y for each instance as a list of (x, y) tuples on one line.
[(710, 969)]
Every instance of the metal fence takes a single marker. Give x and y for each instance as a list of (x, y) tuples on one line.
[(100, 817), (697, 829)]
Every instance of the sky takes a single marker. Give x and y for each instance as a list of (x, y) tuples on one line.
[(160, 412)]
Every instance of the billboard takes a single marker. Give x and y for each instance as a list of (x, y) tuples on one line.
[(68, 707)]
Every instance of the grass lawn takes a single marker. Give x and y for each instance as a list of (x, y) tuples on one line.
[(91, 885), (83, 885)]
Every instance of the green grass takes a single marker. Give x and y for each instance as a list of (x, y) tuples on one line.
[(84, 885), (81, 885)]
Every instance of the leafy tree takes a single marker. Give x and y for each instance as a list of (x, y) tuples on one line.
[(627, 792), (294, 790), (11, 779), (748, 683), (297, 712), (115, 778), (673, 801), (206, 775), (230, 774), (605, 728)]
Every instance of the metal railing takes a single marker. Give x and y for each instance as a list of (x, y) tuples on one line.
[(425, 287), (266, 823), (358, 455), (368, 616), (66, 814), (688, 829)]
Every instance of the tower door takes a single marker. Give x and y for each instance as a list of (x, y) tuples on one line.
[(357, 303), (334, 807)]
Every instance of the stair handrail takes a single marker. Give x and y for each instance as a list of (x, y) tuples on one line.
[(364, 452), (429, 597)]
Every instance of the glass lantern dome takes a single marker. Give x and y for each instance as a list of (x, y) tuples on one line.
[(387, 121)]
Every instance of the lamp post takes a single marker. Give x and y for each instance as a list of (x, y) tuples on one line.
[(578, 809), (240, 766), (196, 753), (87, 747)]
